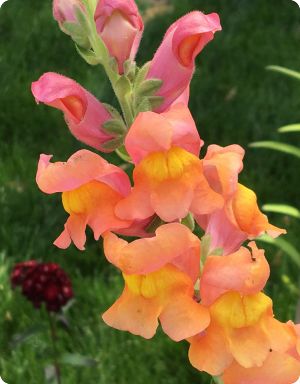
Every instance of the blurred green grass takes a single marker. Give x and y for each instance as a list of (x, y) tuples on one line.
[(234, 100)]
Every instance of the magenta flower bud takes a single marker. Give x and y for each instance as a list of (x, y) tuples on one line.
[(120, 26), (84, 114), (174, 61), (46, 283)]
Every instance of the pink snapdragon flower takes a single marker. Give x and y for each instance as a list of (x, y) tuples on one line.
[(91, 188), (83, 113), (120, 26), (174, 61)]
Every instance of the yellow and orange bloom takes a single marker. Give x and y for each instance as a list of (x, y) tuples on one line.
[(91, 188), (240, 218), (159, 274), (168, 176)]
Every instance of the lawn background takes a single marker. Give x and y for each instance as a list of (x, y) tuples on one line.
[(234, 100)]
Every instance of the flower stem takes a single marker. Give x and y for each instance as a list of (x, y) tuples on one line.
[(217, 380), (53, 334)]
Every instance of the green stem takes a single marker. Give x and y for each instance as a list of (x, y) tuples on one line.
[(217, 380), (102, 54), (54, 347)]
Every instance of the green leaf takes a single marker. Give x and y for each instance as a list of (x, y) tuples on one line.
[(21, 338), (88, 55), (281, 147), (283, 209), (73, 28), (290, 128), (115, 127), (284, 245), (130, 69), (77, 360), (144, 105), (284, 71)]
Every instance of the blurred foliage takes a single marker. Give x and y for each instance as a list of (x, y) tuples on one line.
[(233, 101)]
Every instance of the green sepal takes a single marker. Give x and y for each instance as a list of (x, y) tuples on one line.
[(123, 85), (123, 154), (143, 105), (112, 62), (189, 221), (113, 144), (82, 19), (142, 73), (154, 224), (88, 55), (72, 29), (114, 127), (149, 87), (113, 111), (155, 101), (217, 252), (205, 246), (130, 69)]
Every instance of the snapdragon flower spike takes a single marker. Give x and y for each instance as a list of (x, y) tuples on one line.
[(240, 218), (120, 26), (174, 61), (91, 188), (159, 275), (84, 114), (168, 176)]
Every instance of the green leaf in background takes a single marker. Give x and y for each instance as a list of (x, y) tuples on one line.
[(283, 209), (284, 71), (284, 245), (22, 337), (77, 360), (281, 147), (290, 128)]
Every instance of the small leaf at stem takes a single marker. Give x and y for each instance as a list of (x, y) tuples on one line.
[(88, 55), (114, 127)]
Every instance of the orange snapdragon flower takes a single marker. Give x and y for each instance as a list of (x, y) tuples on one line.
[(240, 218), (168, 176), (159, 274), (242, 328), (91, 188)]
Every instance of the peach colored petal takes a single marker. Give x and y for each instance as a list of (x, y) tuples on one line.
[(250, 346), (278, 368), (209, 351), (242, 271), (81, 168), (222, 166), (248, 216), (74, 230), (172, 242), (183, 317), (134, 313)]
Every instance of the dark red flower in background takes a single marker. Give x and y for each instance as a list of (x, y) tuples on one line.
[(43, 283)]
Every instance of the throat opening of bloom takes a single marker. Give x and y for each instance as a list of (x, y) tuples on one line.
[(171, 164)]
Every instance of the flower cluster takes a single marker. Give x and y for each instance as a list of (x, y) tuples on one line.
[(207, 291), (43, 283)]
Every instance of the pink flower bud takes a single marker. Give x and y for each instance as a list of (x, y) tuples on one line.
[(84, 114), (64, 10), (120, 26), (174, 61)]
